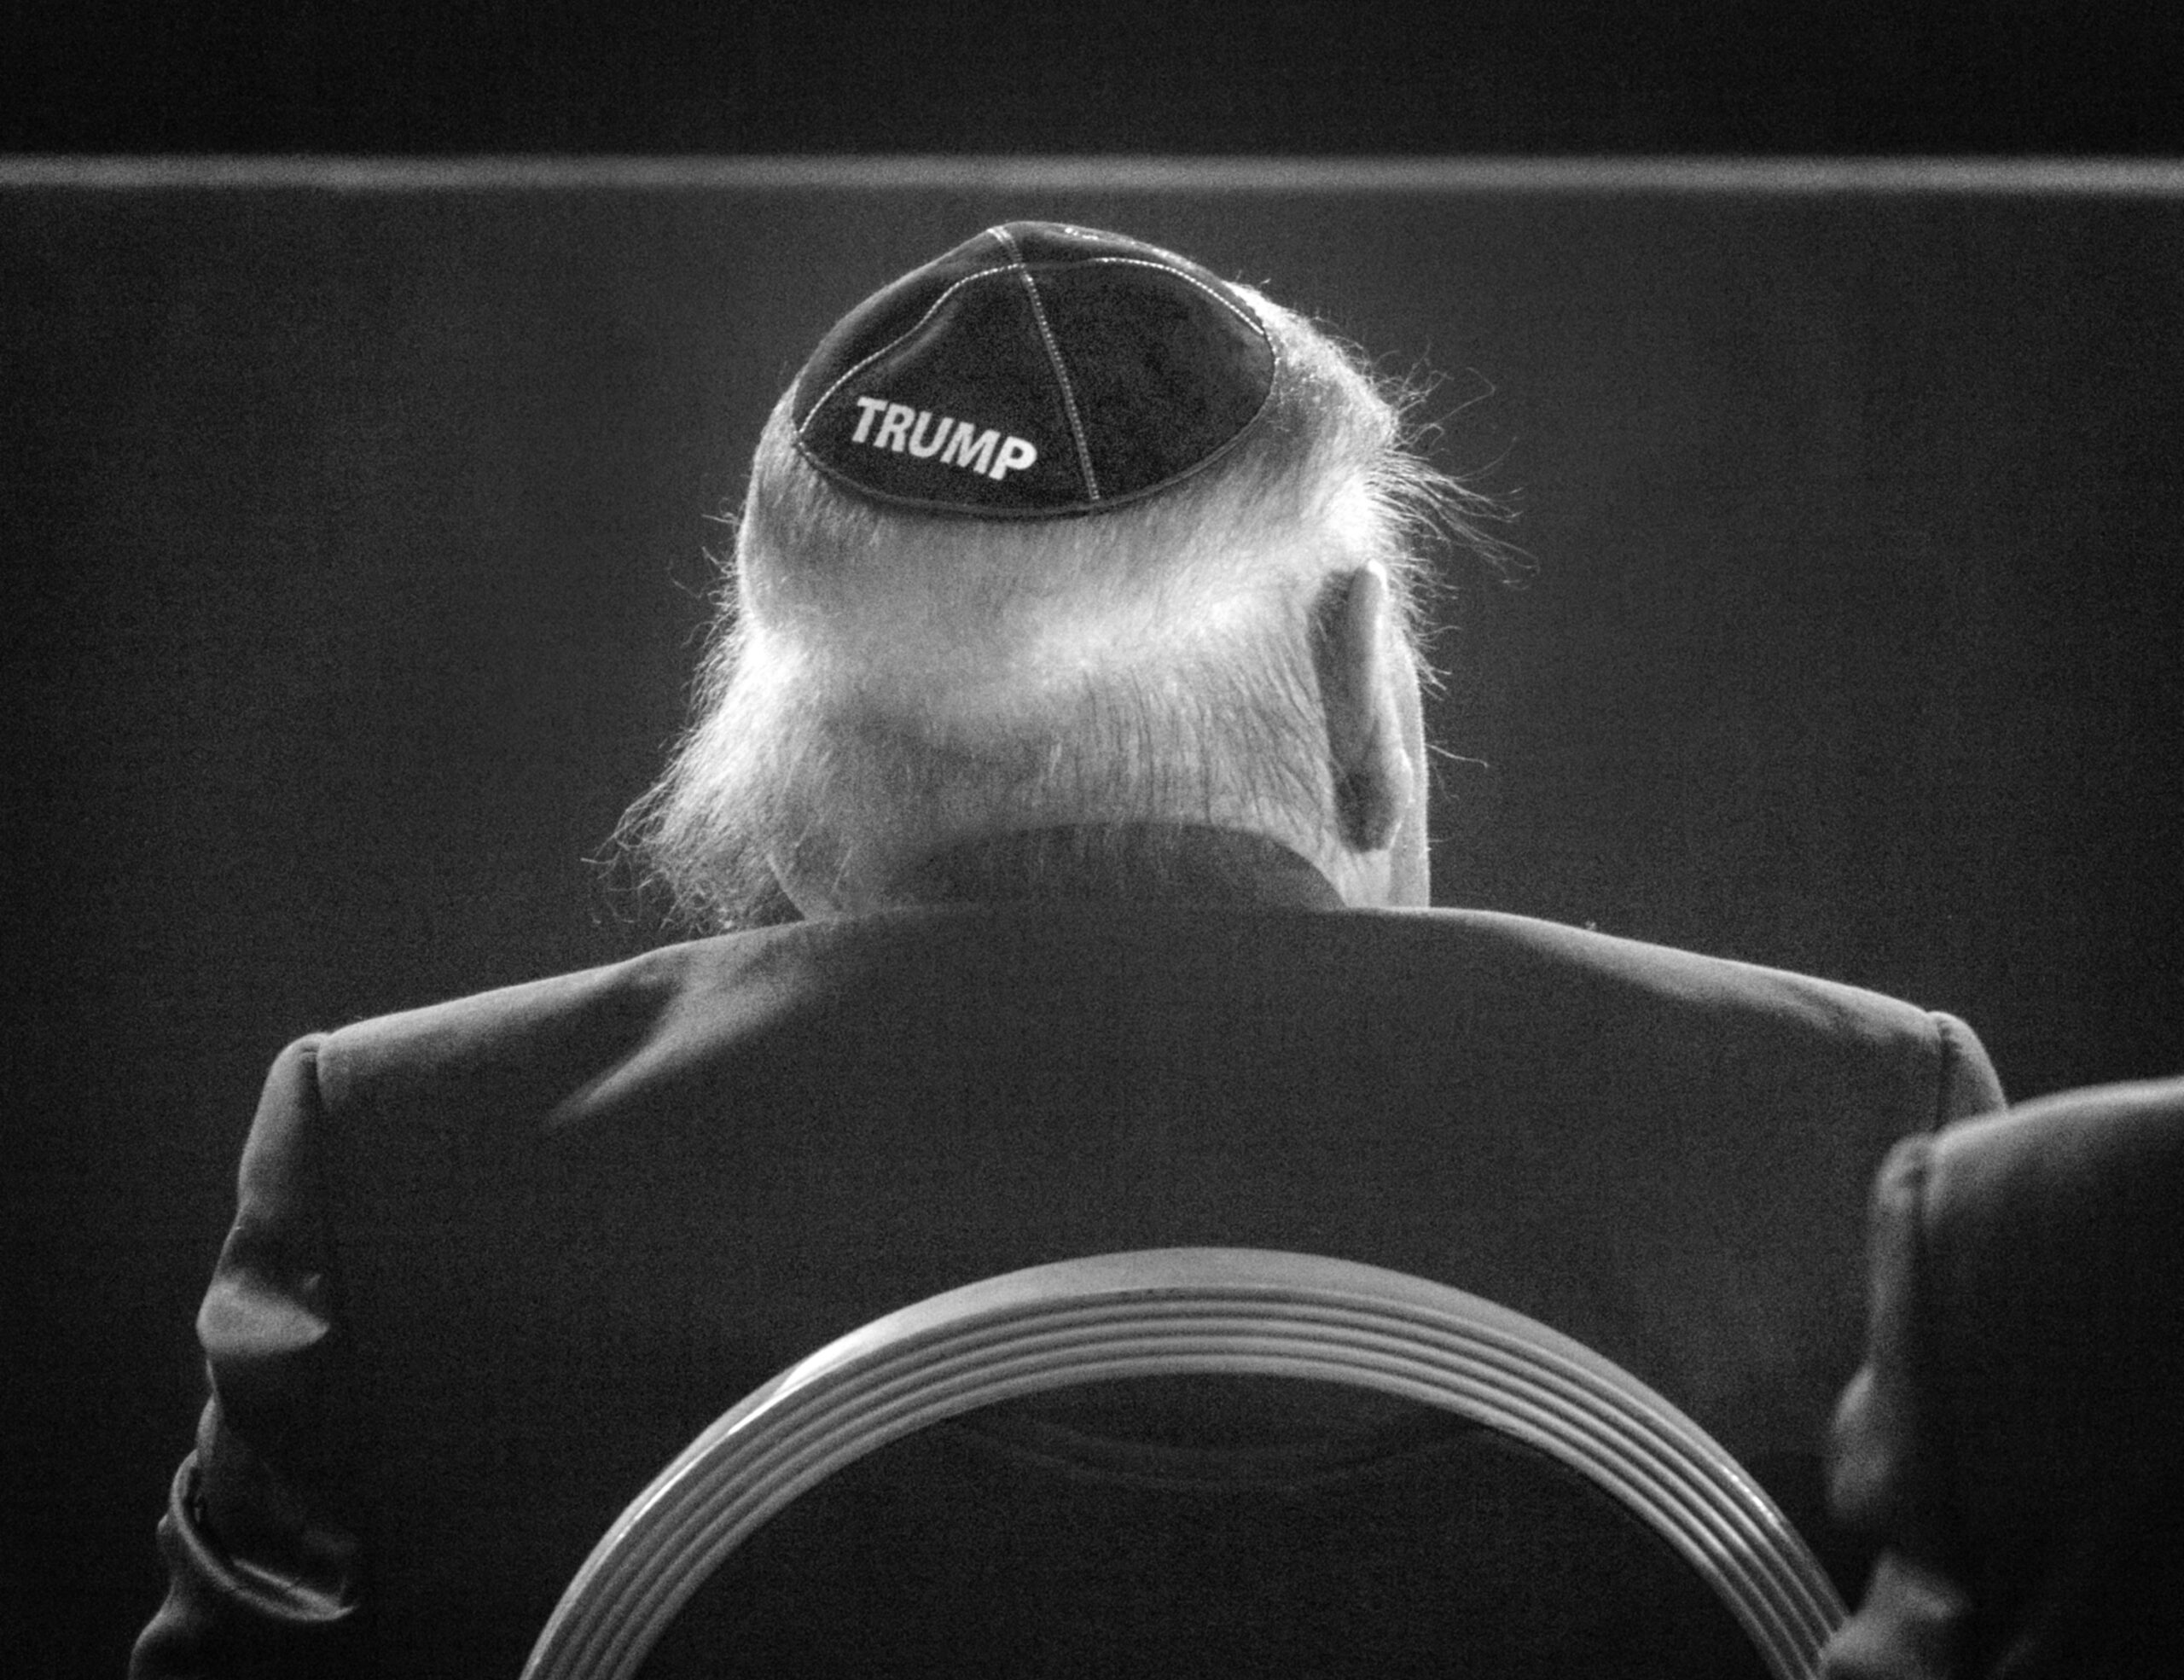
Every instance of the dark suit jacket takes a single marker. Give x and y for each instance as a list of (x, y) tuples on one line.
[(2017, 1436), (496, 1261)]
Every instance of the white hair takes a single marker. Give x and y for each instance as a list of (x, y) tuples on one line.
[(881, 683)]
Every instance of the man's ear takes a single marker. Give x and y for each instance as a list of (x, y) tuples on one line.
[(1354, 644)]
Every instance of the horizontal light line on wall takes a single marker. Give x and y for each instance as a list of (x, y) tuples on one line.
[(1789, 177)]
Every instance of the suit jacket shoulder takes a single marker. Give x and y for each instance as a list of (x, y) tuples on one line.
[(554, 1039), (525, 1244)]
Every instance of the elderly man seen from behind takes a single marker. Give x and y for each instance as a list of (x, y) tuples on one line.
[(1068, 686)]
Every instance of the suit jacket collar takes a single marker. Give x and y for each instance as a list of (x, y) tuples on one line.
[(1133, 862)]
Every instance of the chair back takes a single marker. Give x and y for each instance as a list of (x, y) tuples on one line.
[(1188, 1311)]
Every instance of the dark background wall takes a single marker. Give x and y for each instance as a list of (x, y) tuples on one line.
[(2013, 76), (352, 537), (356, 556)]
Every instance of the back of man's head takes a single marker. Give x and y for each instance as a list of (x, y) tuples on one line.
[(1047, 535)]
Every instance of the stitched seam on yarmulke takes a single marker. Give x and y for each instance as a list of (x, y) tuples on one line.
[(1061, 371), (1246, 316), (910, 332), (1230, 304)]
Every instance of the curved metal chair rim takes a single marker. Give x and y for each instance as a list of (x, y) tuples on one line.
[(1174, 1311)]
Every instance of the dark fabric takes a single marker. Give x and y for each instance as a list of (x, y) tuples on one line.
[(1034, 370), (2017, 1435), (497, 1260), (1142, 862), (1422, 1546)]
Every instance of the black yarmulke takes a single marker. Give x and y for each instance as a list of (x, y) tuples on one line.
[(1036, 370)]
